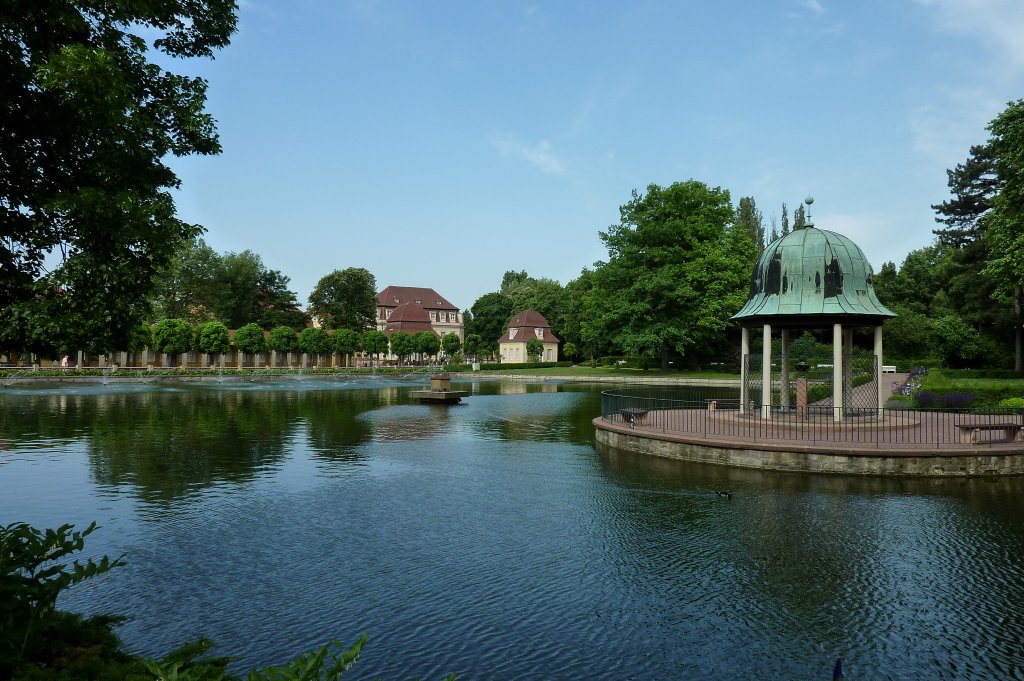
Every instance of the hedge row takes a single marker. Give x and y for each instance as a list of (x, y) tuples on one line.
[(507, 366)]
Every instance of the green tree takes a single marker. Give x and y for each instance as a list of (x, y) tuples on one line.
[(751, 219), (173, 336), (345, 299), (213, 338), (345, 342), (250, 340), (958, 342), (1005, 224), (140, 338), (451, 344), (973, 184), (188, 287), (909, 335), (248, 291), (88, 121), (283, 339), (402, 345), (799, 217), (374, 342), (676, 271), (474, 346), (491, 312), (785, 219), (534, 349), (427, 344), (569, 350), (315, 341)]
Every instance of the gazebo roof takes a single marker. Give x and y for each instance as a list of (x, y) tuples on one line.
[(812, 277)]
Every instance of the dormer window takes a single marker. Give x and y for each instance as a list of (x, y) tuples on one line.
[(387, 313), (539, 332), (512, 332)]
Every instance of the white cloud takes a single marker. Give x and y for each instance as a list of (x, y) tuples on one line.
[(947, 127), (998, 24), (540, 155), (813, 5)]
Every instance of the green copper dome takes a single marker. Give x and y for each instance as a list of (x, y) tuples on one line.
[(812, 276)]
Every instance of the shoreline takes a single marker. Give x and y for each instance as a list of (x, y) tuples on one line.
[(105, 376)]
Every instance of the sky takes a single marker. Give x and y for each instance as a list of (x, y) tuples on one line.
[(440, 144)]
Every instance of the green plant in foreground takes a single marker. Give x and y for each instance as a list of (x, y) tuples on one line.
[(32, 575), (40, 643)]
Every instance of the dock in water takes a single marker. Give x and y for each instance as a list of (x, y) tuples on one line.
[(440, 391)]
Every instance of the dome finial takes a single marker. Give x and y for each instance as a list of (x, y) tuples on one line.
[(807, 219)]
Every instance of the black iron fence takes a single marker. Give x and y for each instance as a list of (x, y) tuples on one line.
[(718, 414)]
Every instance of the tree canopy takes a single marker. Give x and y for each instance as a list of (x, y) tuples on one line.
[(87, 123), (675, 273), (345, 299)]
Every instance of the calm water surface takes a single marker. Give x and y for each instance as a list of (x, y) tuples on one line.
[(491, 539)]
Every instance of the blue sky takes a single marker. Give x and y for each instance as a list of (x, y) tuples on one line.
[(442, 143)]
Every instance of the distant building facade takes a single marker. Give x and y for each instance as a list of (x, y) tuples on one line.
[(397, 311), (524, 326)]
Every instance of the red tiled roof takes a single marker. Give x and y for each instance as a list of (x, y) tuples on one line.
[(526, 323), (426, 298), (408, 317)]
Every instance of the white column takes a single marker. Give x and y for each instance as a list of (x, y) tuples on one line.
[(766, 372), (878, 368), (744, 351), (784, 362), (837, 372), (847, 357)]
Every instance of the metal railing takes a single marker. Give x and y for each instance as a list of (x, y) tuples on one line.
[(722, 418)]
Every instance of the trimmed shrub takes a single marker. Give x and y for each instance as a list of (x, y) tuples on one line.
[(523, 365), (213, 337), (1012, 403), (173, 336), (249, 339), (283, 339)]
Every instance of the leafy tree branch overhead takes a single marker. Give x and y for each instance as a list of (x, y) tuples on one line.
[(87, 121)]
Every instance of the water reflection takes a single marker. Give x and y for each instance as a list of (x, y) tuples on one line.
[(491, 539)]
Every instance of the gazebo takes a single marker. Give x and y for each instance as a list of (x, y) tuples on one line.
[(810, 279)]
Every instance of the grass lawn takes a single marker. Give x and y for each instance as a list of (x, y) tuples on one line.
[(943, 379), (620, 372)]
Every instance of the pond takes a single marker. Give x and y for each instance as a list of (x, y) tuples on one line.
[(492, 540)]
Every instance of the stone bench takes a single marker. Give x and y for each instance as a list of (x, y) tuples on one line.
[(970, 432)]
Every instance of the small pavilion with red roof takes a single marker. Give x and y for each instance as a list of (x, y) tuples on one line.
[(522, 327)]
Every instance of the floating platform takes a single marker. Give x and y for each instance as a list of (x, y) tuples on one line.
[(439, 396)]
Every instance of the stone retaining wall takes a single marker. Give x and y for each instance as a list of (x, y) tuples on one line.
[(816, 458)]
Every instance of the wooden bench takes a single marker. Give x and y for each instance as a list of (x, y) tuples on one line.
[(634, 415), (970, 432)]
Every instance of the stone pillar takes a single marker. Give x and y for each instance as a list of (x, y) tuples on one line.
[(124, 359), (305, 360), (273, 359), (784, 373), (766, 372), (837, 372), (204, 360), (744, 351), (289, 360), (847, 357), (878, 369), (79, 360)]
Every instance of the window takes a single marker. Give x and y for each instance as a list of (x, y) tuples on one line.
[(433, 316), (512, 332), (387, 313), (539, 333)]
